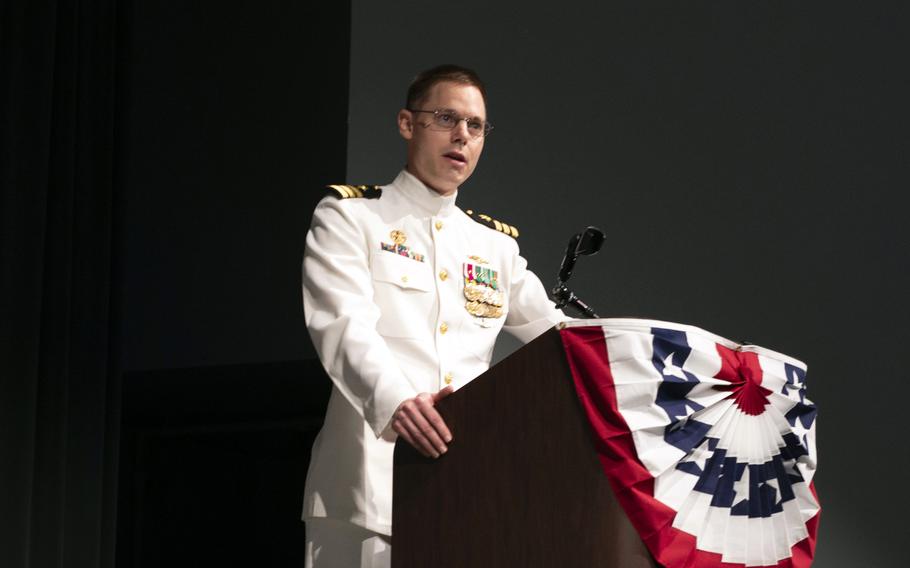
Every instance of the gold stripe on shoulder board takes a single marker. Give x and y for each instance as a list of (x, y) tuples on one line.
[(492, 223), (344, 191)]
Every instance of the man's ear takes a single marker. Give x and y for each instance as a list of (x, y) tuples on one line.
[(406, 124)]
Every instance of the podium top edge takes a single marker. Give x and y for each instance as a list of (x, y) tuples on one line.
[(645, 325)]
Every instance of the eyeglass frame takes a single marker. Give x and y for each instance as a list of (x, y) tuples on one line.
[(487, 127)]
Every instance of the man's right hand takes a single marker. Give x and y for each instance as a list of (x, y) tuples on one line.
[(420, 425)]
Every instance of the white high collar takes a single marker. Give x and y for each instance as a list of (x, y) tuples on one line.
[(416, 192)]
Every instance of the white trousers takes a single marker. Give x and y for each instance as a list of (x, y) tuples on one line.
[(331, 543)]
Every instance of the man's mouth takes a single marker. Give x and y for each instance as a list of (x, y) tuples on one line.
[(456, 156)]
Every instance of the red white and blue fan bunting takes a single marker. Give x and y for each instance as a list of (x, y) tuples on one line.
[(709, 445)]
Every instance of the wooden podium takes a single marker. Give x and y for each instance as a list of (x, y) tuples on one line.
[(521, 484)]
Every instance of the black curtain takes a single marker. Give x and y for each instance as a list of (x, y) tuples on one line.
[(59, 394)]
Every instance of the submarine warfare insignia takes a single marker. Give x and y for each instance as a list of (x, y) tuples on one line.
[(483, 296), (348, 191), (398, 238)]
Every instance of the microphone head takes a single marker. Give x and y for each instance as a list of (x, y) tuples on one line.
[(591, 241)]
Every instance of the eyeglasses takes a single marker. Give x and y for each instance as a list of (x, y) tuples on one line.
[(447, 119)]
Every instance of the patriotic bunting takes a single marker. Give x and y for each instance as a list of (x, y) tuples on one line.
[(709, 445)]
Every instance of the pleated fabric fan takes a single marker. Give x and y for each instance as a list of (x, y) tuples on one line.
[(709, 445)]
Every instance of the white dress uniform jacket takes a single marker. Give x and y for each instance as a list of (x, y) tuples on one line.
[(390, 321)]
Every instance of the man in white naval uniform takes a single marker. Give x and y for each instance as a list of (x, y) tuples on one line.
[(404, 295)]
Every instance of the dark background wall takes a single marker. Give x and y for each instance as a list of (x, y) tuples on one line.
[(234, 120), (233, 117), (746, 160)]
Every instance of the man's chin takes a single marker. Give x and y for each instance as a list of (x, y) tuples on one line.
[(458, 177), (446, 184)]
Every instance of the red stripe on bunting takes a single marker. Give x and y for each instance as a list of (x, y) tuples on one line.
[(633, 485)]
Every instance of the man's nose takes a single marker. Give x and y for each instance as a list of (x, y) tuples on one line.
[(460, 132)]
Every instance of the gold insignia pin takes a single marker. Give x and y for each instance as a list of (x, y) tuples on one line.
[(478, 260), (398, 237)]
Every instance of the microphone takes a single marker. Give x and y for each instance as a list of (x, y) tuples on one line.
[(586, 243)]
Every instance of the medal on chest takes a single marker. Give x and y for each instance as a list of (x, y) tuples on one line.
[(483, 296), (397, 246)]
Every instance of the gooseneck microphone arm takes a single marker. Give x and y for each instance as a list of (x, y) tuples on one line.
[(585, 243)]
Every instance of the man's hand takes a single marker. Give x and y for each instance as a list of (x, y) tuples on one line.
[(420, 425)]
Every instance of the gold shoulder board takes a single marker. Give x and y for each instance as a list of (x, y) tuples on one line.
[(348, 191), (492, 223)]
